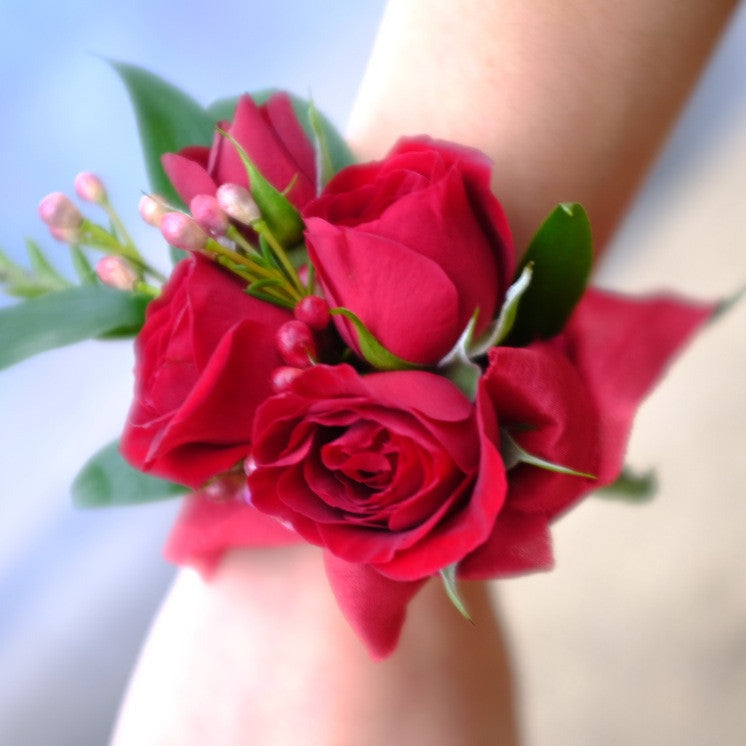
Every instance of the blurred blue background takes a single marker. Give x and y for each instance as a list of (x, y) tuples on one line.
[(78, 588)]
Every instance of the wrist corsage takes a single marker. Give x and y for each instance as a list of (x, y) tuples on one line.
[(348, 354)]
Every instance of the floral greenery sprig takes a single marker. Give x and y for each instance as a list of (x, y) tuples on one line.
[(347, 354)]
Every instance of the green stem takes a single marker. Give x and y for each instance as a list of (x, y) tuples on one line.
[(119, 226), (261, 227)]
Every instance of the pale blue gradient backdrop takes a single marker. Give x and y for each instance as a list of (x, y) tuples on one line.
[(78, 588)]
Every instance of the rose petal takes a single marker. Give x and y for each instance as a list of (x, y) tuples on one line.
[(374, 606), (206, 529), (539, 397), (519, 542), (189, 177), (391, 295), (621, 347)]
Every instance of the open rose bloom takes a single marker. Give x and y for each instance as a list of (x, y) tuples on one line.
[(359, 435)]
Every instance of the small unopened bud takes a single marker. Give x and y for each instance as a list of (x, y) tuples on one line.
[(182, 231), (314, 311), (209, 215), (57, 211), (282, 377), (296, 344), (115, 272), (90, 188), (152, 208), (237, 202), (65, 235)]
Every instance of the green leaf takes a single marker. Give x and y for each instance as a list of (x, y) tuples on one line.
[(42, 267), (635, 488), (512, 455), (33, 326), (168, 120), (278, 212), (30, 283), (370, 348), (82, 266), (324, 165), (562, 255), (448, 574), (339, 152), (107, 479)]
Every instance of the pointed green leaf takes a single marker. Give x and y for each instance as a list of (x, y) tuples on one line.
[(512, 455), (33, 326), (107, 479), (278, 212), (562, 255), (21, 282), (370, 348), (631, 487), (168, 120), (324, 165), (82, 266), (727, 303), (448, 574), (42, 267)]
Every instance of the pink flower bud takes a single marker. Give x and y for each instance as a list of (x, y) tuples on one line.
[(296, 344), (182, 231), (282, 377), (314, 311), (237, 202), (152, 208), (115, 272), (208, 214), (65, 235), (57, 211), (90, 188)]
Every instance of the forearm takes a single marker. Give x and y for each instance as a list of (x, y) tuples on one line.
[(571, 100), (261, 654)]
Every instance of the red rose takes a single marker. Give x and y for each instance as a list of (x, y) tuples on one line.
[(571, 401), (412, 245), (204, 359), (382, 469), (273, 138), (387, 472)]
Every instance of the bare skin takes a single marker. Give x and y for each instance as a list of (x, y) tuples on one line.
[(571, 101)]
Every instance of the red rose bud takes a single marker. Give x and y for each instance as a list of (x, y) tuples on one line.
[(209, 215), (313, 311), (90, 188), (238, 203), (412, 245), (152, 208), (115, 272), (183, 232), (282, 378), (57, 211), (203, 364), (296, 344), (272, 137)]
